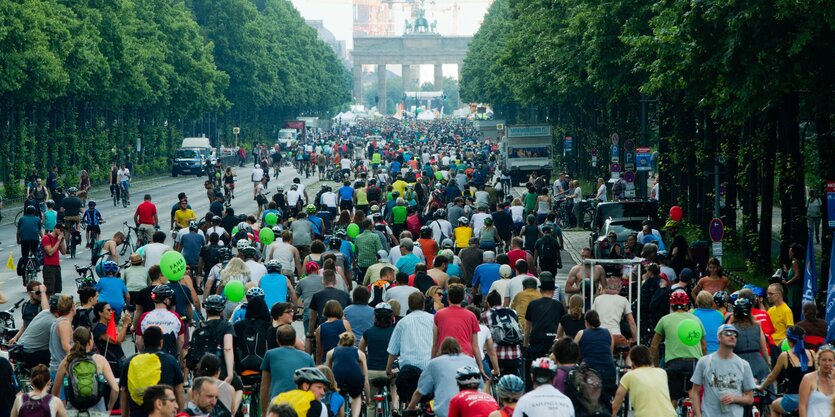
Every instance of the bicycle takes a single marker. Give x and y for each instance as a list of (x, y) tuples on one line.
[(75, 236), (20, 370), (251, 401), (382, 398), (32, 267), (129, 243), (621, 368), (684, 407), (85, 276), (8, 328)]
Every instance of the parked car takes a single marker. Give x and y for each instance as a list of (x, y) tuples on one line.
[(623, 213), (622, 228)]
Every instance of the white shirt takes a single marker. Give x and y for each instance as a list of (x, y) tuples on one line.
[(544, 401), (257, 174), (578, 196), (601, 192), (220, 232), (256, 271), (500, 286), (515, 285), (611, 308), (440, 227), (478, 223), (400, 293), (345, 163), (153, 253), (293, 197), (329, 199), (517, 213), (445, 160), (281, 251), (123, 174), (185, 230), (654, 193)]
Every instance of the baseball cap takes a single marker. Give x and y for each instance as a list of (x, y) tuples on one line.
[(505, 271), (488, 255), (725, 327)]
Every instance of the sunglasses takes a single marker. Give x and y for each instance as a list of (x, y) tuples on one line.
[(729, 333), (38, 292)]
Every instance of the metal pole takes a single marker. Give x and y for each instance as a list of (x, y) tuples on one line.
[(638, 321)]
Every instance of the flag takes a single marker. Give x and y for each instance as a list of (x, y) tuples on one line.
[(10, 262), (810, 275), (830, 297), (111, 327)]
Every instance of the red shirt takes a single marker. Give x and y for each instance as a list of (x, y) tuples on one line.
[(146, 211), (471, 403), (55, 258), (515, 255), (458, 323), (765, 323)]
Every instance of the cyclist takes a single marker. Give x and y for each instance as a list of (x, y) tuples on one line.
[(350, 368), (545, 399), (509, 389), (306, 399), (439, 376), (680, 358), (71, 209), (146, 219), (470, 401), (124, 182), (112, 289), (93, 219), (727, 379), (50, 217), (107, 249), (645, 386)]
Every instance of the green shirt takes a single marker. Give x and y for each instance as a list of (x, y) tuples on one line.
[(398, 214), (367, 246), (675, 349), (530, 202)]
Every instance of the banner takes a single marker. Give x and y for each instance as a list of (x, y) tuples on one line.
[(810, 275), (830, 297)]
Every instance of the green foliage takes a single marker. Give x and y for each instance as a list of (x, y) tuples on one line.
[(81, 81)]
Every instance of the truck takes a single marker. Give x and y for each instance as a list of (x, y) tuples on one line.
[(526, 149), (490, 129), (192, 156)]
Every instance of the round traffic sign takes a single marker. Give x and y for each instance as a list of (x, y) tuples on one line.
[(615, 167), (615, 138), (629, 176), (629, 145), (716, 230)]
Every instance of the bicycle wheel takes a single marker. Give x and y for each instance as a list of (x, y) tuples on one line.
[(127, 247), (254, 402), (72, 247), (18, 216)]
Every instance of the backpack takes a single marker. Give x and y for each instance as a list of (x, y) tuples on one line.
[(251, 357), (504, 327), (561, 377), (86, 385), (550, 254), (441, 228), (584, 387), (144, 370), (31, 407), (205, 340)]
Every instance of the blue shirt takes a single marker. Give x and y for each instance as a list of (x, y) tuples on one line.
[(281, 363), (361, 318), (112, 291), (347, 250), (407, 263), (711, 320), (192, 243), (50, 220), (454, 270), (317, 223), (395, 167), (28, 227), (346, 193), (275, 288), (92, 216), (410, 341), (484, 276)]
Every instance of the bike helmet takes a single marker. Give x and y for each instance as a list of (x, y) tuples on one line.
[(294, 186), (72, 190), (759, 291), (91, 203), (225, 254), (280, 187), (50, 203), (109, 268), (193, 225), (468, 375), (383, 310), (250, 251), (543, 370), (242, 244), (273, 266), (679, 298), (720, 298), (395, 194), (215, 303), (742, 307), (425, 232), (341, 233), (510, 386), (334, 242), (734, 295), (161, 292), (310, 209), (310, 375), (254, 292), (463, 220)]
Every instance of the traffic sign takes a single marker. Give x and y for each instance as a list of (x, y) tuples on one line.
[(629, 161), (615, 168), (629, 176), (236, 130), (642, 159), (830, 202), (569, 144), (717, 249), (615, 154), (629, 145), (716, 230), (615, 138), (594, 160), (629, 190)]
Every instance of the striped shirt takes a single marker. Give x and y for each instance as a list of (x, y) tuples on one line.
[(412, 339), (502, 351)]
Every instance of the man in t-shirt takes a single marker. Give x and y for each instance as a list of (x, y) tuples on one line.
[(191, 244), (146, 219), (439, 375), (173, 329), (470, 401), (726, 378), (612, 308), (170, 373), (780, 313), (544, 400), (54, 246), (280, 363), (679, 358), (459, 323), (547, 251), (543, 316), (484, 275), (329, 292)]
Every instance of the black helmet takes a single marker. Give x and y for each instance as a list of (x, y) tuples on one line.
[(225, 254), (215, 303), (334, 242), (720, 298), (161, 292), (742, 307), (425, 232)]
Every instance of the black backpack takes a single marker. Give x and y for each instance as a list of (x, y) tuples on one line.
[(584, 387), (253, 344), (550, 254), (208, 338), (504, 327)]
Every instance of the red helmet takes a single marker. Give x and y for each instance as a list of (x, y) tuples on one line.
[(679, 298)]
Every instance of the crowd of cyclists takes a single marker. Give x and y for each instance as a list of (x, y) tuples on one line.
[(413, 281)]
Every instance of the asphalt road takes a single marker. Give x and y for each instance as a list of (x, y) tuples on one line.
[(163, 191)]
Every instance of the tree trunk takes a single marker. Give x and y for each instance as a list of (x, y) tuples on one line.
[(764, 265)]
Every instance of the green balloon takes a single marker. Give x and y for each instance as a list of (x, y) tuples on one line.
[(234, 230), (689, 332), (785, 345), (172, 265), (353, 230), (271, 219), (266, 236), (234, 291)]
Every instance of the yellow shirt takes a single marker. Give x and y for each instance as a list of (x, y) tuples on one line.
[(400, 187), (298, 399), (462, 236), (182, 217), (648, 393), (521, 301), (781, 318)]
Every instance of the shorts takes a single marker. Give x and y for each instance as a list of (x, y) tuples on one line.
[(790, 402), (94, 229), (679, 372), (146, 232), (125, 184), (346, 205), (52, 279)]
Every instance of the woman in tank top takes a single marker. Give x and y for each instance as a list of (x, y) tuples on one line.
[(793, 363), (596, 348), (327, 334), (817, 388), (350, 370), (83, 347)]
